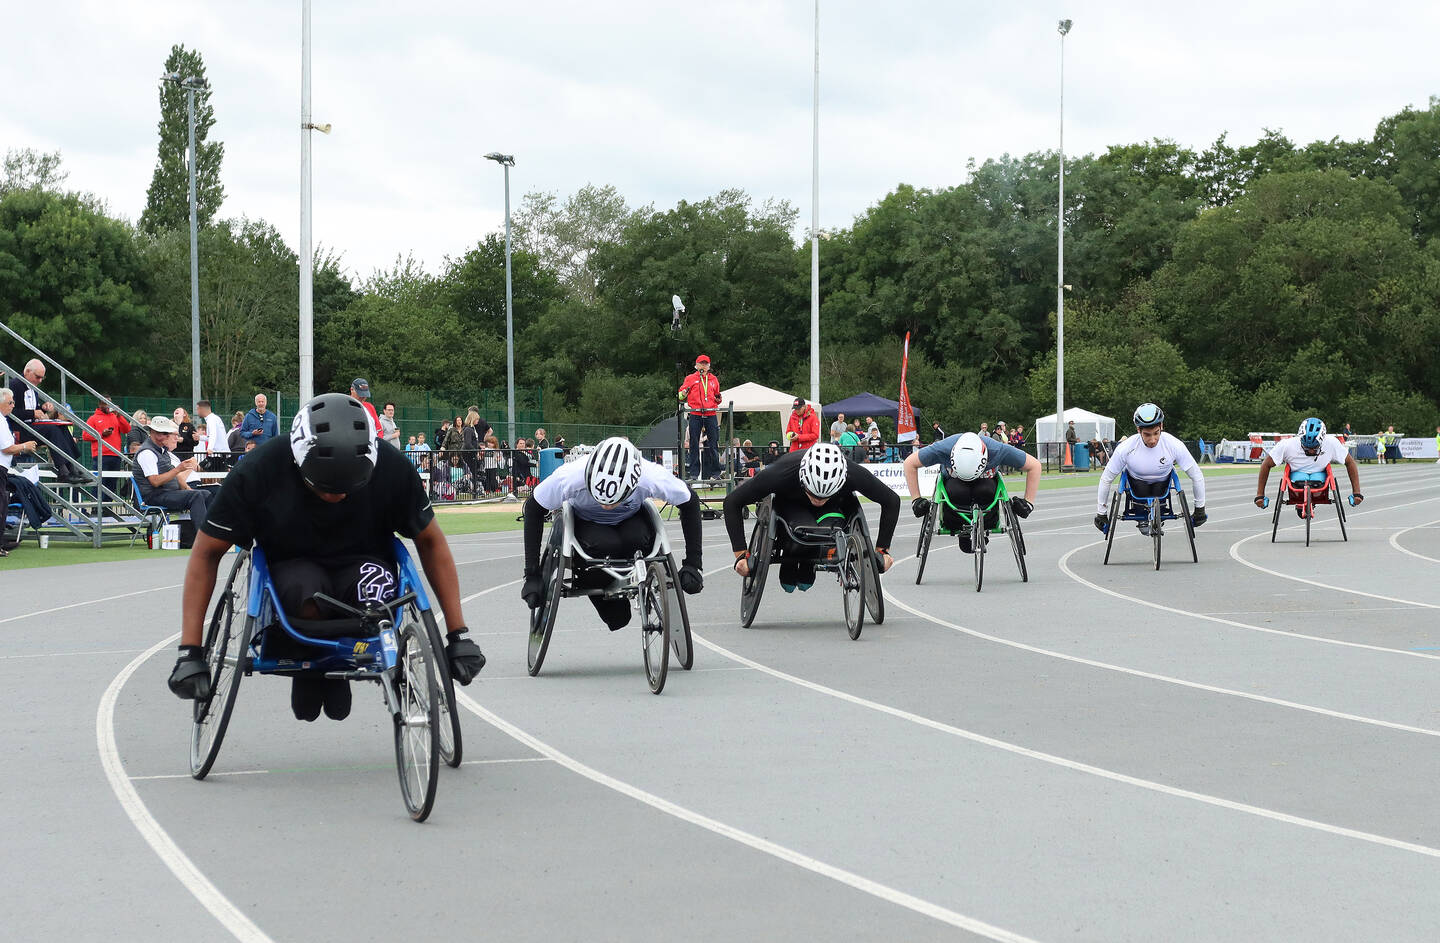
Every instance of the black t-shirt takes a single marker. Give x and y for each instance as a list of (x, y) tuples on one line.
[(264, 499), (782, 479)]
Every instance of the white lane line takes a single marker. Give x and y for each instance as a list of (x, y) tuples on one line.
[(117, 651), (90, 602), (1235, 555), (229, 916), (1079, 767), (692, 671), (1064, 564), (849, 878), (331, 769), (1152, 676), (1395, 540)]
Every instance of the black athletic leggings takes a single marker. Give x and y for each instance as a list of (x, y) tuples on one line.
[(965, 495), (616, 541)]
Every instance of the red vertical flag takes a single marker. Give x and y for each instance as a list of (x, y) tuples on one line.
[(906, 422)]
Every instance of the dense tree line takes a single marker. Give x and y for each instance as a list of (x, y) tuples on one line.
[(1241, 287)]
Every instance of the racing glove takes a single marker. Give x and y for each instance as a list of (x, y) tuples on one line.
[(190, 678), (1199, 517), (1356, 498), (532, 590), (1021, 507), (1102, 523), (1260, 502), (464, 656), (691, 579), (920, 507)]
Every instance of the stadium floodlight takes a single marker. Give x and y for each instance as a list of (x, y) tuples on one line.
[(507, 161), (1064, 27), (679, 309)]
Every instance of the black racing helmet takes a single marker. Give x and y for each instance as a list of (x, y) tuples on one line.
[(333, 442)]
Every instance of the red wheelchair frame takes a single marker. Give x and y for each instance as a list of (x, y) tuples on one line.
[(1307, 495)]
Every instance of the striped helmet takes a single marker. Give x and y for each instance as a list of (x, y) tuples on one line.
[(1311, 433), (613, 470)]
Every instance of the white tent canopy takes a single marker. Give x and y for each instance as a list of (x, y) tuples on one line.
[(754, 398), (1088, 426)]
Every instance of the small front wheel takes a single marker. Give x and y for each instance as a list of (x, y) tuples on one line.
[(417, 719), (227, 641)]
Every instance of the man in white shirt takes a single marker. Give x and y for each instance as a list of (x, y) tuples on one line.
[(215, 437), (1308, 457), (163, 480), (1149, 459)]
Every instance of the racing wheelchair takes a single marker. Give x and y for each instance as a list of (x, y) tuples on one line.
[(973, 520), (1153, 511), (835, 544), (651, 580), (397, 645), (1305, 495)]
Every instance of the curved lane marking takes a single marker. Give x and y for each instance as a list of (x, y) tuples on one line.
[(1395, 540), (194, 880)]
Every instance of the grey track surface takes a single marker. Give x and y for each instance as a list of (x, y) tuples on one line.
[(1049, 761)]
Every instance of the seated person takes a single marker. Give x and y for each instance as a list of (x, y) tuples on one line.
[(750, 461), (772, 453), (970, 463), (325, 504), (809, 486), (1149, 459), (606, 492), (163, 480), (1309, 454)]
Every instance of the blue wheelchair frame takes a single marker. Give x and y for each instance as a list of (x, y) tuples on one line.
[(1155, 510)]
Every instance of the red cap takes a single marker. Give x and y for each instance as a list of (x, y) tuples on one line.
[(702, 359)]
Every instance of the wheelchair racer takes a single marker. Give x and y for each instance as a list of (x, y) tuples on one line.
[(1150, 458), (970, 463), (606, 493), (1309, 454), (325, 504), (808, 486)]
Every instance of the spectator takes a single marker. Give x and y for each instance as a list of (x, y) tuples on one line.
[(1001, 433), (701, 395), (1070, 435), (162, 478), (188, 438), (360, 389), (1345, 432), (213, 438), (27, 407), (877, 445), (9, 448), (236, 438), (1017, 438), (520, 472), (871, 426), (837, 428), (541, 442), (490, 464), (772, 453), (985, 428), (112, 427), (749, 460), (472, 440), (388, 430), (850, 442), (410, 446), (259, 425), (454, 443), (936, 433), (440, 434), (803, 429), (137, 436), (1391, 440)]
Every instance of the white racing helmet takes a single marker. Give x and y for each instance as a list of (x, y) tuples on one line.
[(612, 470), (823, 469), (968, 459)]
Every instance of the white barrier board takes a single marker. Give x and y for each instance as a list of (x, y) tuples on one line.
[(1418, 448), (893, 475)]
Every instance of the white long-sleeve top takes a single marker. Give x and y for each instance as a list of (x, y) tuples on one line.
[(1150, 464)]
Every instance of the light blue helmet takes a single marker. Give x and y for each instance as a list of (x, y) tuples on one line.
[(1312, 434), (1148, 415)]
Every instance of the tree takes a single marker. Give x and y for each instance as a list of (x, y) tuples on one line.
[(167, 202), (26, 169), (563, 237)]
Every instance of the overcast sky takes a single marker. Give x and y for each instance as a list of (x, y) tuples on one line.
[(670, 100)]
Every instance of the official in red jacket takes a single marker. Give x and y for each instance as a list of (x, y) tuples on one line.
[(803, 429), (112, 427), (701, 395)]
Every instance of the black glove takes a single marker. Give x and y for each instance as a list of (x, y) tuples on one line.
[(920, 507), (1021, 507), (1199, 517), (1356, 498), (190, 678), (1102, 522), (691, 579), (464, 656), (1260, 501), (533, 590)]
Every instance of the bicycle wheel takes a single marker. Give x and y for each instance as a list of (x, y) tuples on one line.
[(1110, 525), (927, 531), (752, 586), (655, 626), (451, 748), (1339, 508), (852, 586), (1189, 526), (977, 543), (416, 720), (226, 645), (1275, 519), (1017, 542), (681, 641), (542, 618), (1308, 512), (1155, 518)]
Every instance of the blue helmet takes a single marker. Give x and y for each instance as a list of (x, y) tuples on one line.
[(1312, 434), (1148, 416)]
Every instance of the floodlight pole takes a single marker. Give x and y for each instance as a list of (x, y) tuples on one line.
[(815, 225), (507, 161), (1064, 28), (307, 275), (191, 84)]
